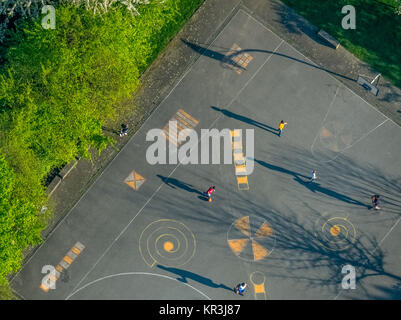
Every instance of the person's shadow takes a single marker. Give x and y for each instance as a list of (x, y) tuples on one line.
[(312, 186), (184, 275), (250, 121), (175, 183)]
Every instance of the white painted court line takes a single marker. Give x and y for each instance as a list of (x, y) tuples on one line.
[(325, 117), (135, 273), (387, 234), (337, 296)]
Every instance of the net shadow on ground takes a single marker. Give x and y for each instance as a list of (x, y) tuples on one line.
[(228, 59)]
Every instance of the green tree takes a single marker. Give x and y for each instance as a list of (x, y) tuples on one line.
[(20, 222)]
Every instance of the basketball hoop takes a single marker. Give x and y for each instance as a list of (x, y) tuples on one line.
[(369, 85)]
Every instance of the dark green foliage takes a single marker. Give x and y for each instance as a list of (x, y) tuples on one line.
[(377, 37)]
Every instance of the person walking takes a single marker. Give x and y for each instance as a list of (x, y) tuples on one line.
[(313, 176), (209, 192), (281, 127), (240, 288), (376, 202)]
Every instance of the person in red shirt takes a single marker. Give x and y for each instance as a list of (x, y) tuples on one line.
[(210, 191)]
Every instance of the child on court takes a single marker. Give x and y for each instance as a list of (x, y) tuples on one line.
[(376, 202), (210, 191), (281, 127), (313, 176), (240, 288)]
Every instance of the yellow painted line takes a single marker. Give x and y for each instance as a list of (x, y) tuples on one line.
[(259, 288), (134, 180), (235, 133), (45, 288), (240, 169), (186, 121), (237, 145), (59, 268), (242, 225), (335, 230), (237, 245), (188, 116), (52, 278), (264, 231), (242, 180), (80, 246), (170, 139), (325, 133), (171, 131), (180, 127), (131, 184), (168, 246), (243, 187), (76, 250), (67, 259), (239, 157), (259, 252)]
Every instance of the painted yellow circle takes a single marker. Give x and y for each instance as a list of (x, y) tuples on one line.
[(168, 246), (335, 230)]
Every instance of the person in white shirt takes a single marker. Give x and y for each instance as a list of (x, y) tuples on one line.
[(313, 176)]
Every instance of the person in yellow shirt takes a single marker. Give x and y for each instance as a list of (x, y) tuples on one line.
[(281, 127)]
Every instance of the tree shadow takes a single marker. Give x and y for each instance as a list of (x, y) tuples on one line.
[(296, 24), (357, 178), (175, 183), (299, 252), (184, 275), (318, 260), (392, 94), (228, 59), (250, 121)]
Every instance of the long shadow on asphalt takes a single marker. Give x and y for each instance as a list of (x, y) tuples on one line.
[(175, 183), (304, 251), (250, 121), (313, 186), (184, 275), (228, 59)]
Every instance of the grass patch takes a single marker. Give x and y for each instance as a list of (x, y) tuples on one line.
[(376, 39)]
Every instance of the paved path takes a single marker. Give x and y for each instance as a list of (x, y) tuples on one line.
[(287, 238)]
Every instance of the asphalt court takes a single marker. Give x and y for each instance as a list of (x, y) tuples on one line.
[(155, 237)]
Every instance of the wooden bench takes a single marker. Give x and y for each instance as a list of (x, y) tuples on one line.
[(323, 34)]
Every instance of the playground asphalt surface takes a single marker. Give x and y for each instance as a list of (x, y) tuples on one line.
[(164, 241)]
